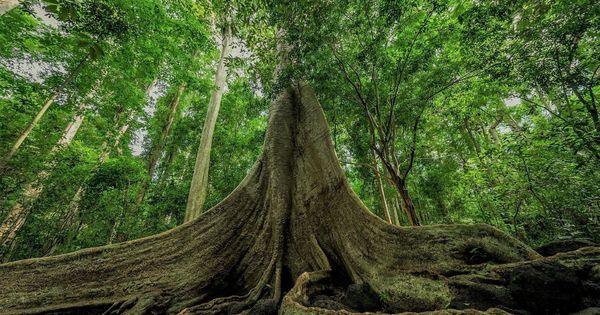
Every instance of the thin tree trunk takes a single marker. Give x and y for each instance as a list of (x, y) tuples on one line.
[(494, 132), (407, 203), (384, 203), (7, 5), (41, 113), (20, 211), (198, 189), (473, 139), (157, 151), (187, 157), (394, 211), (73, 207), (172, 155)]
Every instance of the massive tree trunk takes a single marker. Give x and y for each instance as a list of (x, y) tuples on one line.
[(293, 213), (197, 195), (7, 5), (41, 113)]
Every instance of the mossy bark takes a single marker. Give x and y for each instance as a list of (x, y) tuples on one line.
[(294, 213)]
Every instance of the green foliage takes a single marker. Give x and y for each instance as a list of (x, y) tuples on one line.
[(494, 102)]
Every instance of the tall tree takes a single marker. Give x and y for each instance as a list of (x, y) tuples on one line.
[(157, 148), (197, 195)]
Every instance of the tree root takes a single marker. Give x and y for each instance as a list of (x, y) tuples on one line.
[(293, 216)]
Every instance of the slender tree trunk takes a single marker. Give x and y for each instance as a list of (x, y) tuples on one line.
[(41, 113), (157, 151), (166, 171), (187, 157), (473, 139), (19, 213), (478, 153), (73, 207), (197, 195), (7, 5), (159, 147), (394, 211), (407, 203), (386, 209), (494, 132)]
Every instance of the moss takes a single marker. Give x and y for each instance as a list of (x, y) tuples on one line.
[(486, 249), (413, 292)]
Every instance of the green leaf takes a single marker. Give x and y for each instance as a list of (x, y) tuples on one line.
[(93, 53), (63, 15), (99, 50), (51, 1), (73, 13), (52, 7), (82, 43)]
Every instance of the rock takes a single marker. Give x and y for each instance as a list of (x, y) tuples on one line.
[(264, 307), (546, 287), (361, 298), (589, 311), (331, 305), (482, 296), (564, 245)]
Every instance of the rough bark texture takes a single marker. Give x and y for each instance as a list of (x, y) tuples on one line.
[(197, 195), (294, 213)]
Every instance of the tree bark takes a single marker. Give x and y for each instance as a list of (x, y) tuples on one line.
[(7, 5), (198, 189), (41, 113), (295, 212)]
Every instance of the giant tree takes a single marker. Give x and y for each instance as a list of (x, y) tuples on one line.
[(293, 213)]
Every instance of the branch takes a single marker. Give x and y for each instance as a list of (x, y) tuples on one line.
[(414, 142)]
